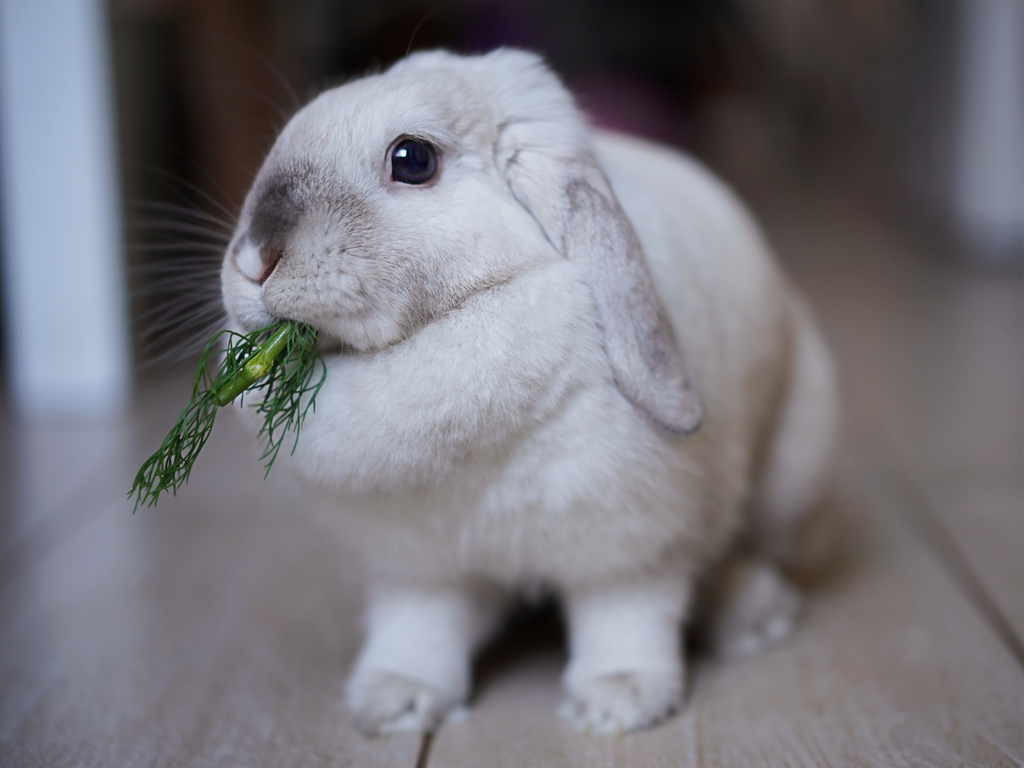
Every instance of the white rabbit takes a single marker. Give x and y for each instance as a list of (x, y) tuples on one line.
[(532, 380)]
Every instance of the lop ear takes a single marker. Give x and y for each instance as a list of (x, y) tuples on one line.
[(543, 150)]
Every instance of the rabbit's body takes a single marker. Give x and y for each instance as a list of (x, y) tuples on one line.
[(496, 438), (494, 442)]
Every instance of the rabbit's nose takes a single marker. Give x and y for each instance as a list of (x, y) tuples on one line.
[(269, 257), (257, 263)]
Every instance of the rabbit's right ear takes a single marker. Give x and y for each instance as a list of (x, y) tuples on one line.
[(543, 150)]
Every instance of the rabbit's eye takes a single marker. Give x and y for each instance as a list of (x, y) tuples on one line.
[(413, 162)]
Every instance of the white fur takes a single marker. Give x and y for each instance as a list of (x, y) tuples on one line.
[(626, 666), (473, 435)]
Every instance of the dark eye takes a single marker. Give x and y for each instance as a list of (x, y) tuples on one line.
[(413, 162)]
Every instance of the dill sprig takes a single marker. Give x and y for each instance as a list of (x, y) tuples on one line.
[(279, 361)]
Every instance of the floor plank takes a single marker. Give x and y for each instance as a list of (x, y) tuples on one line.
[(933, 356), (984, 513), (213, 630)]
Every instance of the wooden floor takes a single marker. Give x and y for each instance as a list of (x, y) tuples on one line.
[(217, 629)]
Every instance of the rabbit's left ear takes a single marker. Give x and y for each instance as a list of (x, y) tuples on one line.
[(548, 164)]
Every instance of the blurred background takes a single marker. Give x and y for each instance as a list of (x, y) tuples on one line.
[(910, 110)]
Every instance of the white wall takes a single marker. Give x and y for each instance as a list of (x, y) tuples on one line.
[(988, 178), (66, 309)]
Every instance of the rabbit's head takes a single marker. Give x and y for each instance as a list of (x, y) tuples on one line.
[(387, 202)]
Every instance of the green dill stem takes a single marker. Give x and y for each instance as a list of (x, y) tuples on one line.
[(256, 367), (282, 367)]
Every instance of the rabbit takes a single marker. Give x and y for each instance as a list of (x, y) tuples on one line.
[(557, 359)]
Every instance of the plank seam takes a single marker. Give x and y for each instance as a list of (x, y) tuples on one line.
[(425, 744), (918, 513)]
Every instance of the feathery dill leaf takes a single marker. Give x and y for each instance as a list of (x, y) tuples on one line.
[(279, 360)]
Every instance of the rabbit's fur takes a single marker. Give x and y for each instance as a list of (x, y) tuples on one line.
[(532, 380)]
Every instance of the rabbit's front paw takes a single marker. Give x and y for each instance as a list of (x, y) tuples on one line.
[(623, 701), (384, 702)]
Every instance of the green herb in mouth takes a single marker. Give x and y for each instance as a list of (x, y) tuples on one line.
[(279, 360)]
